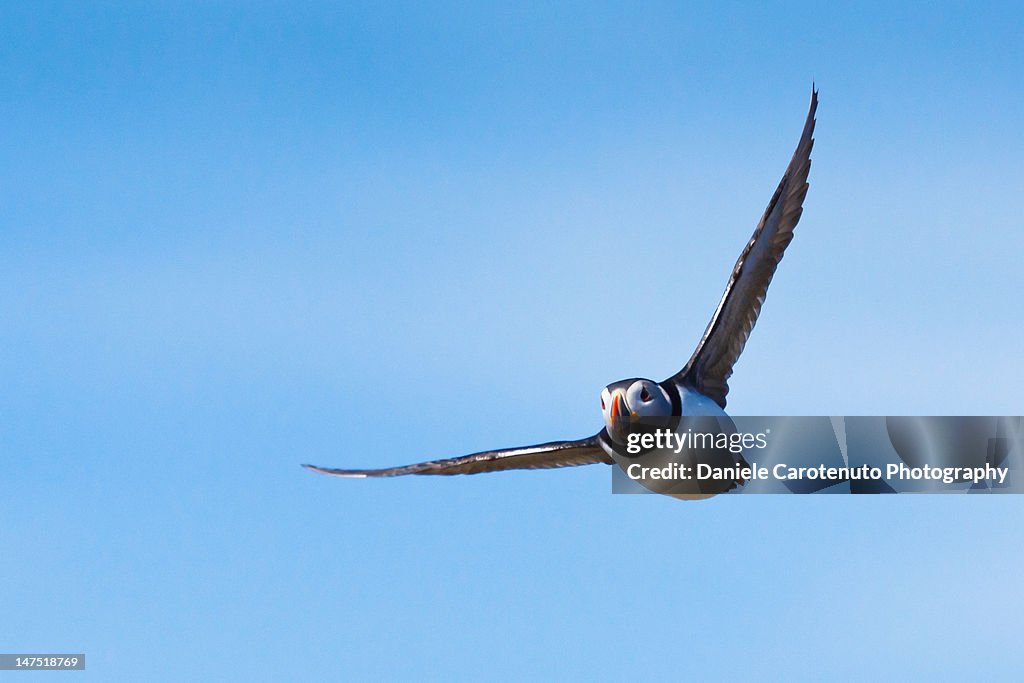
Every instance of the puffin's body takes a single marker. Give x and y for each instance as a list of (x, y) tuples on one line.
[(700, 388)]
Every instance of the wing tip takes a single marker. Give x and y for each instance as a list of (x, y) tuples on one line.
[(349, 474)]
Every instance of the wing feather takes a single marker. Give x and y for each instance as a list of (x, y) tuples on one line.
[(546, 455), (712, 362)]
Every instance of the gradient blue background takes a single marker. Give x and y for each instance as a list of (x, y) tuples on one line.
[(234, 239)]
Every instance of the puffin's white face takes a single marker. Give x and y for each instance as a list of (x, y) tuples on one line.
[(632, 398)]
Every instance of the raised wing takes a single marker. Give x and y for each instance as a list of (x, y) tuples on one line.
[(711, 365), (546, 455)]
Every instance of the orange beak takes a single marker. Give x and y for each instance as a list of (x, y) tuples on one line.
[(618, 406)]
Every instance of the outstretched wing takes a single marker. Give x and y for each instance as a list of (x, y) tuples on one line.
[(710, 367), (546, 455)]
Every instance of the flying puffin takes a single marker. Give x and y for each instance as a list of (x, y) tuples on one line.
[(700, 388)]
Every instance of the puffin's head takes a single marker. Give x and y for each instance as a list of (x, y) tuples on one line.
[(632, 398)]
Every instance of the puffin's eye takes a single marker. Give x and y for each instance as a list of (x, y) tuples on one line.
[(645, 395), (602, 403)]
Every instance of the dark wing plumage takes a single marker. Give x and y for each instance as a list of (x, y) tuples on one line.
[(711, 365), (546, 455)]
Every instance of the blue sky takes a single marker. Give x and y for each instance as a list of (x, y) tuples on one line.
[(234, 239)]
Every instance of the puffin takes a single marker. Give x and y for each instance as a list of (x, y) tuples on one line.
[(698, 389)]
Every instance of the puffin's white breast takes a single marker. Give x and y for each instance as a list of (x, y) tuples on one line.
[(696, 403)]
